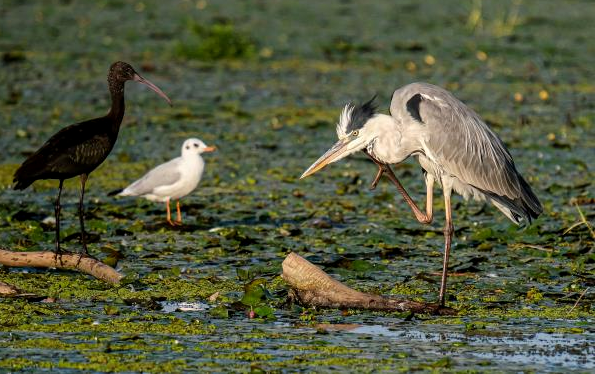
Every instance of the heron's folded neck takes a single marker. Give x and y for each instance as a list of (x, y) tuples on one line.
[(393, 142)]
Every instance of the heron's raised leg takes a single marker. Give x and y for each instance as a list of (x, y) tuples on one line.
[(448, 231), (178, 213), (57, 215), (82, 213), (419, 215)]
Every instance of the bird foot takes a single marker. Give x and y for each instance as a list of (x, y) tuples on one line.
[(373, 185), (58, 256), (84, 255), (379, 174), (382, 168), (174, 223)]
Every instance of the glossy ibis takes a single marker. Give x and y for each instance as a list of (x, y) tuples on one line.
[(78, 149), (453, 145), (173, 179)]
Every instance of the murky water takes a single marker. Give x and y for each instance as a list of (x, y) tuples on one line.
[(509, 349), (516, 345)]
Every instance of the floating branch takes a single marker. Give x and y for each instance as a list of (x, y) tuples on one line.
[(8, 290), (314, 287), (67, 260)]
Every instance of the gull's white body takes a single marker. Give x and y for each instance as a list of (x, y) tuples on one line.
[(173, 179)]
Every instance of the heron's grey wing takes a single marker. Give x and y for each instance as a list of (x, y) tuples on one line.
[(463, 145), (162, 175)]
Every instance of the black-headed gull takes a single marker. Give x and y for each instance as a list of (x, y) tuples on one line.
[(173, 179)]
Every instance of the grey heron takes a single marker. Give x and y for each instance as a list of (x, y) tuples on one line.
[(172, 180), (453, 145)]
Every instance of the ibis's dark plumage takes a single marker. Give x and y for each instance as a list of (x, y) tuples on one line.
[(78, 149)]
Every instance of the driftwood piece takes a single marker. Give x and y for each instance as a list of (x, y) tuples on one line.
[(314, 287), (67, 260), (10, 291)]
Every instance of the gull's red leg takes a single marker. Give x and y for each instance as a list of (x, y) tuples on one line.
[(178, 213), (169, 213)]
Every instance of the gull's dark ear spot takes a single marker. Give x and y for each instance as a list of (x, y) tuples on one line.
[(413, 107), (187, 147)]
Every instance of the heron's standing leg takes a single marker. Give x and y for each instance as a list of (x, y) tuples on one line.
[(57, 215), (82, 212), (178, 213), (448, 231)]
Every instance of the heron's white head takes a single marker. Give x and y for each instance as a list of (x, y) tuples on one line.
[(195, 146), (358, 128)]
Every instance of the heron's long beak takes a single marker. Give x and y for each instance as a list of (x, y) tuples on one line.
[(211, 148), (147, 82), (338, 151)]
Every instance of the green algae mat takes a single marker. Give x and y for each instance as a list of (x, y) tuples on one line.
[(265, 82)]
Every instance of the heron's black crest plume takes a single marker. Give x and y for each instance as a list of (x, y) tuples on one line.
[(360, 114)]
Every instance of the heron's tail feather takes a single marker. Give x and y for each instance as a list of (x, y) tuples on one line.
[(115, 192), (525, 208), (529, 199)]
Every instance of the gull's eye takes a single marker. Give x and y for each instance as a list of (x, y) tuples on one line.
[(195, 145), (355, 133)]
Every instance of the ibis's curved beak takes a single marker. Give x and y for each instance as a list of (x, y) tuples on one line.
[(342, 148), (150, 84)]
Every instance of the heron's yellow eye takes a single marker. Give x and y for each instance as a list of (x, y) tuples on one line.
[(354, 133)]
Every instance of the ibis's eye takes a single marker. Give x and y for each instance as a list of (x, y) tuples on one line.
[(355, 133), (195, 145)]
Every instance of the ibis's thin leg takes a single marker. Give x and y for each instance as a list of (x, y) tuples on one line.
[(419, 215), (448, 231), (169, 213), (57, 215), (82, 213)]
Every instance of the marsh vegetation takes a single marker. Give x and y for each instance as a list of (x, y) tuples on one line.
[(265, 81)]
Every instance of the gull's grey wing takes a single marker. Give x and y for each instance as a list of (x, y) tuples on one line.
[(162, 175), (462, 144)]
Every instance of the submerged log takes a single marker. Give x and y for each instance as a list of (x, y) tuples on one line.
[(67, 260), (10, 291), (314, 287)]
